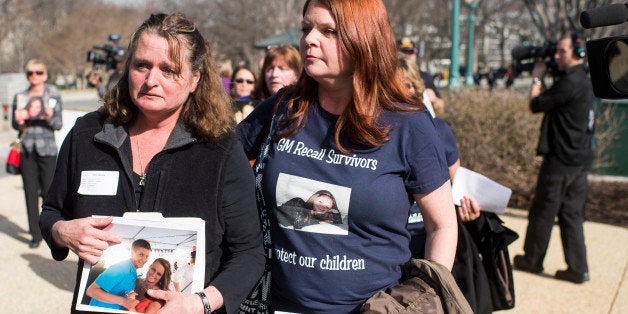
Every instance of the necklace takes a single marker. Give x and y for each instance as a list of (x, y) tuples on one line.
[(139, 155)]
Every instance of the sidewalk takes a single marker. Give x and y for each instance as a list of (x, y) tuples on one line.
[(34, 283)]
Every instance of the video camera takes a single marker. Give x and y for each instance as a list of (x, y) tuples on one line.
[(523, 57), (608, 57), (112, 54)]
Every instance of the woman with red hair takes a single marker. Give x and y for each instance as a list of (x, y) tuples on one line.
[(349, 126)]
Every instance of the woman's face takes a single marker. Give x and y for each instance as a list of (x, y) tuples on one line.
[(36, 75), (34, 108), (243, 83), (320, 49), (409, 86), (322, 204), (155, 272), (154, 85), (278, 75)]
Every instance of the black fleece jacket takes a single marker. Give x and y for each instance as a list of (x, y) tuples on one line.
[(568, 124), (188, 178)]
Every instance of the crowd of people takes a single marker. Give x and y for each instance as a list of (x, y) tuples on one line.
[(353, 165)]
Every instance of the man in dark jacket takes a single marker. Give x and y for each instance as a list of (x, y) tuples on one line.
[(565, 144)]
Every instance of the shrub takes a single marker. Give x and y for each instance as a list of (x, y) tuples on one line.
[(497, 136)]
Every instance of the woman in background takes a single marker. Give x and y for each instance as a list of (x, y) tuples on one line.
[(242, 84), (39, 149), (414, 82), (281, 67)]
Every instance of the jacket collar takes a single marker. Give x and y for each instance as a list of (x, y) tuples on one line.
[(577, 67), (115, 135)]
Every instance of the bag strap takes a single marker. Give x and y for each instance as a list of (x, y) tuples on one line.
[(22, 134), (257, 301), (258, 168)]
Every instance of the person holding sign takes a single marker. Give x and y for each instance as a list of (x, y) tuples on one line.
[(164, 142), (36, 116)]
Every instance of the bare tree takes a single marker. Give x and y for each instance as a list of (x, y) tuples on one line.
[(427, 22), (15, 33), (502, 21), (79, 28), (553, 18), (233, 26), (62, 36)]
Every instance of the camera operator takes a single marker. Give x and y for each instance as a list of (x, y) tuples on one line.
[(565, 144), (111, 57), (94, 80)]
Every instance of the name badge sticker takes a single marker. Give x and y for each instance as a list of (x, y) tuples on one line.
[(99, 182)]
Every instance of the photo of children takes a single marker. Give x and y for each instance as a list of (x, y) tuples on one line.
[(312, 206)]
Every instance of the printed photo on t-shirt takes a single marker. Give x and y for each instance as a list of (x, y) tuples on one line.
[(312, 206)]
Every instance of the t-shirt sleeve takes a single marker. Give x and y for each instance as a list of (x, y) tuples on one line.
[(253, 129), (109, 278), (448, 140), (424, 153)]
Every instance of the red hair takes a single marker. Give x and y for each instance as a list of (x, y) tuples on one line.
[(366, 37)]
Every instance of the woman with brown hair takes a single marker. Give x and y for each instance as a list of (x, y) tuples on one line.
[(350, 125), (242, 86), (157, 278), (164, 143), (281, 67)]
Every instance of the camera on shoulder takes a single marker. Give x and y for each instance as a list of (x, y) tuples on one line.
[(108, 55), (524, 56)]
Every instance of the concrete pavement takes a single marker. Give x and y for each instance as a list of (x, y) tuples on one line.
[(34, 283)]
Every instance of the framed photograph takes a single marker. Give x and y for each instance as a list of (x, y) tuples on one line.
[(156, 252), (34, 106)]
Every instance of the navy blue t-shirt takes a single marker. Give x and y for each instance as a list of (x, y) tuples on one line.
[(334, 265), (415, 220)]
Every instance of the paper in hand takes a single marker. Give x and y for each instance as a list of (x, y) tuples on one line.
[(490, 195)]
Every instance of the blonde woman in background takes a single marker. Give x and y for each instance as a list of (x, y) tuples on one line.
[(415, 84), (39, 149)]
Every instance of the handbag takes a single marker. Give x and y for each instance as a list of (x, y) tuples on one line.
[(257, 300), (13, 159)]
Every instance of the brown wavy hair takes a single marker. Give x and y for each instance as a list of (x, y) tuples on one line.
[(290, 55), (366, 37), (164, 282), (207, 113)]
